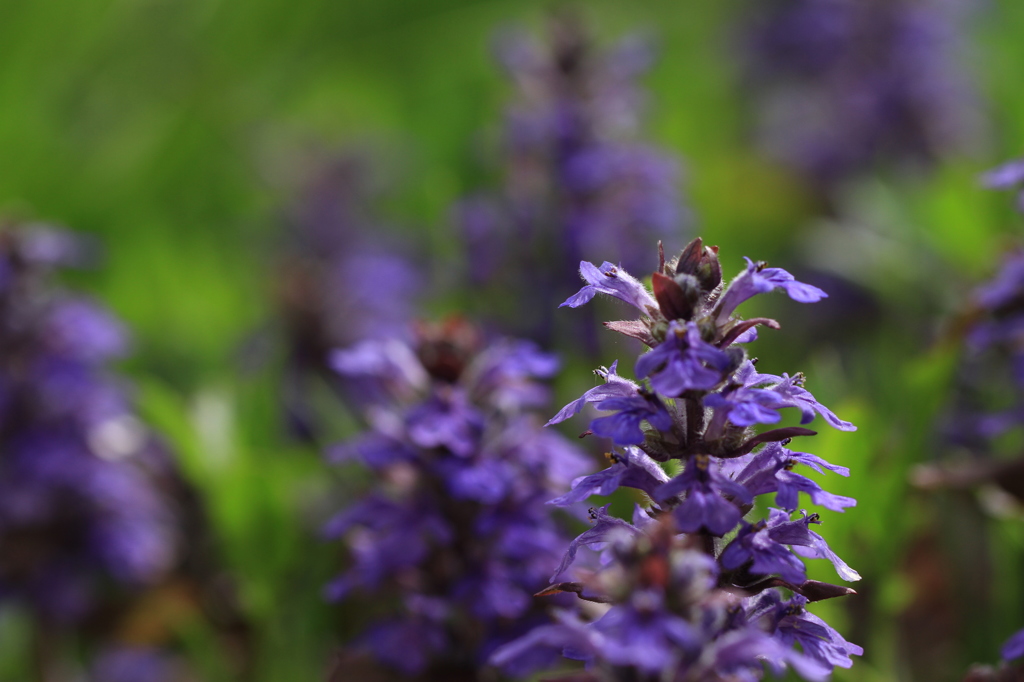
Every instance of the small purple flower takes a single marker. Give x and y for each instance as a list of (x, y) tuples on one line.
[(545, 645), (446, 419), (644, 635), (382, 365), (790, 484), (613, 281), (746, 406), (755, 544), (605, 529), (614, 387), (683, 362), (632, 469), (623, 427), (505, 375), (819, 641), (792, 394), (805, 541), (758, 279), (770, 470), (705, 504)]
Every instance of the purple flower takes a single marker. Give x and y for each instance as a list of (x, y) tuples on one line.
[(623, 427), (505, 375), (755, 544), (792, 394), (575, 182), (632, 469), (613, 281), (83, 482), (820, 642), (1014, 647), (676, 594), (382, 366), (842, 86), (705, 504), (682, 362), (544, 645), (805, 541), (770, 470), (605, 529), (446, 419), (614, 387), (789, 484), (753, 398), (454, 525), (746, 406), (644, 635), (758, 279)]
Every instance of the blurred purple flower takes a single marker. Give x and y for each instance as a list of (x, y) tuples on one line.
[(81, 498), (1014, 647), (841, 85), (575, 182), (454, 528), (343, 277)]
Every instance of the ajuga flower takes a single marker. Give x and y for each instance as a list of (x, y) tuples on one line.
[(81, 508), (576, 183), (988, 403), (341, 281), (454, 536), (842, 85), (692, 581)]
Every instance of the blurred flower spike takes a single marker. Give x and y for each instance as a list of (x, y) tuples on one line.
[(454, 536), (576, 181), (82, 506), (845, 86)]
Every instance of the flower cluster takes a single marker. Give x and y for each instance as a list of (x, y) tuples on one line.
[(81, 504), (575, 183), (844, 84), (693, 581), (454, 535), (986, 404), (340, 281), (996, 346)]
